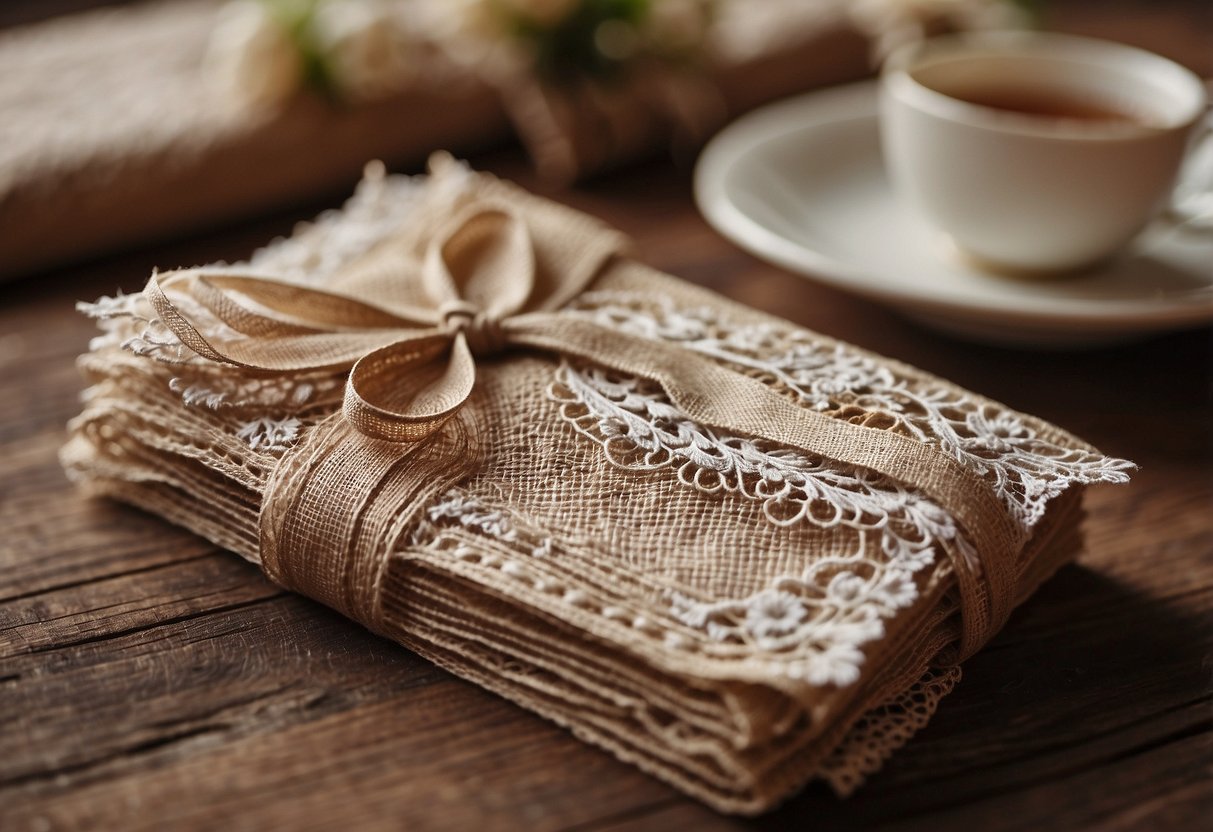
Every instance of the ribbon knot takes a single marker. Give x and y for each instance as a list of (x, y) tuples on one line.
[(484, 333)]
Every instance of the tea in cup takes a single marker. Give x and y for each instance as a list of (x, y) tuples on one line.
[(1036, 152)]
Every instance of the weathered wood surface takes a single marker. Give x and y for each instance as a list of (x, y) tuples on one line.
[(150, 681)]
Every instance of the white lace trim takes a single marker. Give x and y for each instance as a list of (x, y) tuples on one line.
[(1025, 469), (270, 435), (640, 430), (813, 627), (827, 613), (470, 513), (317, 249)]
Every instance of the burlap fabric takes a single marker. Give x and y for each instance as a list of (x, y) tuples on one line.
[(732, 552)]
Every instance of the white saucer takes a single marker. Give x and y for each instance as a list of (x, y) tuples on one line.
[(802, 184)]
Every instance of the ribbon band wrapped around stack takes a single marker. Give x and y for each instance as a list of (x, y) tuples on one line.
[(733, 552)]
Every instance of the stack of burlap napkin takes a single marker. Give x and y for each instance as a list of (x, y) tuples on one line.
[(735, 553)]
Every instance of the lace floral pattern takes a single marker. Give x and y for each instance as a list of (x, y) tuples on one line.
[(1026, 470), (272, 407), (268, 434), (823, 616), (266, 413), (826, 614), (223, 390), (455, 509), (817, 624), (639, 429)]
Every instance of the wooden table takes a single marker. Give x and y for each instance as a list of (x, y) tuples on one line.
[(149, 680)]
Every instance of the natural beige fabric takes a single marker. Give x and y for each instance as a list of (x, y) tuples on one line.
[(732, 552)]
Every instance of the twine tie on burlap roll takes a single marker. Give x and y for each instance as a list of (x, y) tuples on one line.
[(498, 278)]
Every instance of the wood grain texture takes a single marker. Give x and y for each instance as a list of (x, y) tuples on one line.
[(150, 681)]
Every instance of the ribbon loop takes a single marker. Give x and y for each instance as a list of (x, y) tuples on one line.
[(484, 259), (480, 271)]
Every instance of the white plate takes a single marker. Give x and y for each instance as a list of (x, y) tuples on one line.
[(802, 184)]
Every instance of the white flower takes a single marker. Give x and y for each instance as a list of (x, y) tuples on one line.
[(838, 665), (773, 612), (368, 46), (1002, 424), (846, 587), (896, 589), (251, 58), (613, 426), (999, 433), (270, 435)]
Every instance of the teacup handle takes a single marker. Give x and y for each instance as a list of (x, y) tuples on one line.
[(1191, 203)]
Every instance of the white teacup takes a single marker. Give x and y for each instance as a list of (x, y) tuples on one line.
[(1036, 152)]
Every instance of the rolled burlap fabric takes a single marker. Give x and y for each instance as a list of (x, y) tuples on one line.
[(735, 553), (111, 114)]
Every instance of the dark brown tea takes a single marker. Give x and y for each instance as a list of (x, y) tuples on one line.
[(1046, 104)]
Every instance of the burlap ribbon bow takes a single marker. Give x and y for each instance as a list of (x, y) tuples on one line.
[(497, 277)]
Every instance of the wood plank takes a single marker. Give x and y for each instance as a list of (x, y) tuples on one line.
[(1150, 791), (79, 541), (406, 747)]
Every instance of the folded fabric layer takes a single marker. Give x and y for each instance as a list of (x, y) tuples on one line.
[(735, 553)]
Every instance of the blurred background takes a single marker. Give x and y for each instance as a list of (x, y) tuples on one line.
[(123, 123)]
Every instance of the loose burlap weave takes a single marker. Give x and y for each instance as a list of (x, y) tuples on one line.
[(735, 553)]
